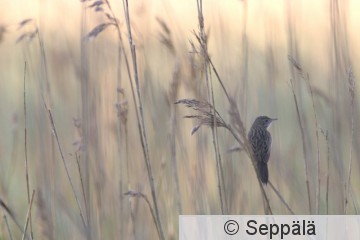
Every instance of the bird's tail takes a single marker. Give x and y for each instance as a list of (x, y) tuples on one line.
[(263, 171)]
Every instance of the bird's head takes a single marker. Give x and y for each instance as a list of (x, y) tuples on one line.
[(264, 121)]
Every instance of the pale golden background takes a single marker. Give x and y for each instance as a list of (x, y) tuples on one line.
[(249, 45)]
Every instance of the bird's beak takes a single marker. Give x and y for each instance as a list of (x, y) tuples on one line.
[(273, 119)]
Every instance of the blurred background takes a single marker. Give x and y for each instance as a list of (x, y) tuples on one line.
[(77, 67)]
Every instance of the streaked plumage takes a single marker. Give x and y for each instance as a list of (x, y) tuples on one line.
[(260, 140)]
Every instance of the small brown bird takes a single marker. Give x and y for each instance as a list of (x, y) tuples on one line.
[(260, 140)]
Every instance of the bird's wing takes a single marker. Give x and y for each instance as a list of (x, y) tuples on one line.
[(267, 147), (261, 145)]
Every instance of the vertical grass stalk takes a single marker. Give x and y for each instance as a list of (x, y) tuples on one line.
[(204, 54), (141, 124)]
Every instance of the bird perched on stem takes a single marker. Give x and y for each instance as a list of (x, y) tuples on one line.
[(260, 141)]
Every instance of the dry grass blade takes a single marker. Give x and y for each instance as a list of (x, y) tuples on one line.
[(281, 198), (23, 23), (22, 37), (236, 119), (326, 136), (25, 149), (163, 25), (140, 119), (46, 225), (203, 107), (303, 143), (99, 9), (208, 115), (234, 149), (8, 227), (132, 193), (96, 4), (202, 40), (207, 120), (7, 209), (27, 35), (28, 215), (355, 201), (65, 165), (193, 103), (33, 34), (295, 63), (11, 214), (351, 82), (165, 35), (97, 30), (111, 18), (305, 76)]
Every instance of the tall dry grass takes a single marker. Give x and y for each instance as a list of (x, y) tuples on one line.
[(91, 129)]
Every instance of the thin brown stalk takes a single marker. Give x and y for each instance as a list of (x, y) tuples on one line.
[(218, 158), (132, 215), (133, 220), (355, 202), (244, 68), (325, 133), (46, 97), (8, 228), (166, 39), (141, 123), (28, 215), (204, 54), (351, 81), (143, 196), (44, 215), (173, 134), (12, 215), (306, 77), (174, 161), (127, 65), (122, 115), (81, 177), (85, 108), (219, 168), (303, 143), (281, 198), (122, 111), (65, 165), (25, 144), (293, 51), (317, 146)]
